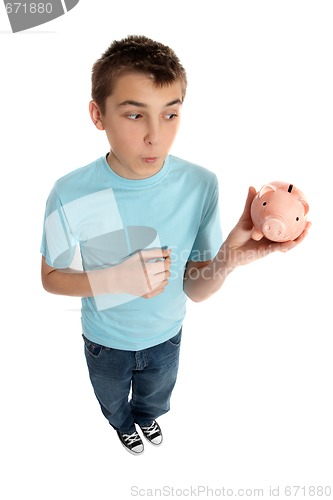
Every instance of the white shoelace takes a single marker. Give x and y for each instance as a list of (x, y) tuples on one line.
[(150, 429), (132, 438)]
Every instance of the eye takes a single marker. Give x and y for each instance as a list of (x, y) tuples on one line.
[(170, 116), (297, 218), (265, 203), (134, 116)]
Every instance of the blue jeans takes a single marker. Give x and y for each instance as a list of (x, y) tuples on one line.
[(133, 386)]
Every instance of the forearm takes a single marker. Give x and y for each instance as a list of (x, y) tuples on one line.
[(136, 276), (78, 283), (67, 282), (200, 284)]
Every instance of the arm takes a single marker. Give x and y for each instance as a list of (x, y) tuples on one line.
[(65, 281), (202, 279), (137, 275)]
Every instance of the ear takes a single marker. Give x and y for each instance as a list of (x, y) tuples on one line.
[(305, 205), (96, 115), (266, 189)]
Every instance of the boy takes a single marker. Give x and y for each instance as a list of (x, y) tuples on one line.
[(148, 229)]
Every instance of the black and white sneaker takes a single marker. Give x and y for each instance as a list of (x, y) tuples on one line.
[(132, 442), (153, 433)]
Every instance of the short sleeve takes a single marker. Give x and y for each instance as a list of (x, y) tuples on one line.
[(58, 243), (209, 237)]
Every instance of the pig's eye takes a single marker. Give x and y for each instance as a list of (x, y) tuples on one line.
[(265, 203), (297, 218)]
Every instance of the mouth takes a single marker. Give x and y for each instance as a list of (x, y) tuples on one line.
[(150, 159)]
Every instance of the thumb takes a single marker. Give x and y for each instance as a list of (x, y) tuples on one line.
[(246, 215)]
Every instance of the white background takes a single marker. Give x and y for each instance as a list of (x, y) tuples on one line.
[(253, 404)]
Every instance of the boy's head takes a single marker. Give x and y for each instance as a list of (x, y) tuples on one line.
[(137, 54)]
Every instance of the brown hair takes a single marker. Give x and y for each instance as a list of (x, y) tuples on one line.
[(135, 54)]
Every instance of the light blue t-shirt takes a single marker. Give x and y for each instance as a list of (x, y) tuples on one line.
[(108, 218)]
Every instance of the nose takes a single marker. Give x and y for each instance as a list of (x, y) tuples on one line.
[(152, 133), (275, 228)]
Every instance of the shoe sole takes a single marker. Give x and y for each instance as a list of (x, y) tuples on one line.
[(155, 444), (135, 453), (151, 442)]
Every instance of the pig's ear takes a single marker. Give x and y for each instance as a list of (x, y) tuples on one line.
[(305, 205), (266, 188)]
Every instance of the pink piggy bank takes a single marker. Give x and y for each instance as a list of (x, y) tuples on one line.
[(278, 212)]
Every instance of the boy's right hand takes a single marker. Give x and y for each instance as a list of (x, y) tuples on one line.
[(144, 274)]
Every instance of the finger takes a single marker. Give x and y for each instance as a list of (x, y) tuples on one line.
[(154, 272), (152, 294), (167, 263), (162, 285), (145, 271), (154, 268), (158, 279), (156, 291), (288, 245), (158, 267), (304, 233), (154, 253)]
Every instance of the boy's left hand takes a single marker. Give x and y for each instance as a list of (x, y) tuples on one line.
[(240, 248)]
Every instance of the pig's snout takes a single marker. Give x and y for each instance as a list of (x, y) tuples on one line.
[(275, 228)]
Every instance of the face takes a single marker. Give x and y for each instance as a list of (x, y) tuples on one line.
[(141, 123)]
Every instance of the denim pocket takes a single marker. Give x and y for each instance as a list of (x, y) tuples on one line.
[(176, 340), (93, 349)]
